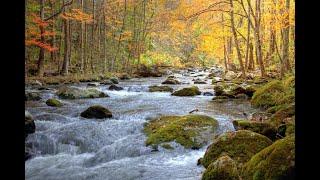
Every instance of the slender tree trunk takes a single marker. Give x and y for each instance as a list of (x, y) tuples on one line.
[(41, 51), (248, 41), (92, 38), (236, 39), (285, 41), (258, 37), (82, 41), (65, 65)]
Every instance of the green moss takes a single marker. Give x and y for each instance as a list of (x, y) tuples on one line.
[(290, 129), (284, 112), (263, 128), (274, 162), (274, 93), (239, 145), (77, 93), (182, 129), (53, 102), (191, 91), (223, 168)]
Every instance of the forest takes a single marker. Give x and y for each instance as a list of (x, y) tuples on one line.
[(160, 89)]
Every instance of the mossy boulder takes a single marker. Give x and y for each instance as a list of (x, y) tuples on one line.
[(223, 168), (230, 75), (190, 91), (239, 145), (274, 162), (171, 81), (218, 90), (54, 102), (191, 131), (199, 81), (284, 112), (97, 112), (263, 128), (106, 82), (114, 80), (29, 125), (274, 93), (32, 96), (160, 89), (77, 93)]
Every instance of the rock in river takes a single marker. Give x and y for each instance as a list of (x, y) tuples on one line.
[(190, 91), (160, 89), (77, 93), (97, 111), (114, 87)]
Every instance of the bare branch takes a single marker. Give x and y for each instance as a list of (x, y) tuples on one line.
[(60, 10)]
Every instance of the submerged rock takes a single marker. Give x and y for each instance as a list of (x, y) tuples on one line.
[(29, 125), (77, 93), (92, 84), (116, 88), (160, 89), (190, 91), (276, 161), (223, 168), (97, 111), (239, 145), (208, 94), (199, 81), (106, 82), (191, 131), (32, 96), (54, 102)]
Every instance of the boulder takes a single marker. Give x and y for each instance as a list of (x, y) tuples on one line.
[(263, 128), (223, 168), (190, 91), (239, 145), (171, 81), (114, 80), (114, 87), (97, 111), (208, 94), (218, 90), (160, 89), (230, 75), (29, 125), (276, 161), (54, 102), (32, 96), (216, 80), (77, 93), (190, 131)]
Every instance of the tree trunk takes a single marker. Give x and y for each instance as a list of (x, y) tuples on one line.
[(285, 42), (65, 64), (258, 38), (41, 51), (82, 42), (236, 39)]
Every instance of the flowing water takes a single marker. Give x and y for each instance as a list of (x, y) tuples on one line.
[(67, 146)]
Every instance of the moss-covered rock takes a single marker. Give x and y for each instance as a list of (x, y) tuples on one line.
[(274, 93), (191, 131), (190, 91), (239, 145), (114, 80), (218, 90), (32, 96), (54, 102), (285, 111), (97, 111), (160, 89), (171, 81), (274, 162), (230, 75), (223, 168), (77, 93), (263, 128), (167, 146)]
